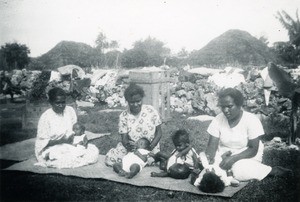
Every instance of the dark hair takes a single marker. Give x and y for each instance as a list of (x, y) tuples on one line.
[(211, 183), (234, 93), (147, 142), (133, 89), (179, 171), (181, 136), (82, 127), (54, 92)]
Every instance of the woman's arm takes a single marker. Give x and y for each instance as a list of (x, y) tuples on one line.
[(157, 137), (60, 140), (211, 148), (127, 143), (141, 156), (250, 152)]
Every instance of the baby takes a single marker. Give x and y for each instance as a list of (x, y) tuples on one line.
[(212, 178), (76, 147), (133, 162), (181, 161), (80, 138)]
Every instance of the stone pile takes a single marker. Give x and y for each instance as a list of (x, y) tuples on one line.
[(192, 91)]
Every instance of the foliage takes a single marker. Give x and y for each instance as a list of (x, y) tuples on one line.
[(234, 47), (289, 52), (178, 60), (291, 25), (14, 56), (134, 58), (150, 52), (113, 59), (36, 64), (38, 92), (102, 43)]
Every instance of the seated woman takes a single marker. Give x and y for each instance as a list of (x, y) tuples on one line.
[(55, 135), (239, 132), (137, 121)]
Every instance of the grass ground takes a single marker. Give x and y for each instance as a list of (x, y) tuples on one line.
[(24, 186)]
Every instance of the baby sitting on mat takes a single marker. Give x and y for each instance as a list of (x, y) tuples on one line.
[(133, 162), (181, 161)]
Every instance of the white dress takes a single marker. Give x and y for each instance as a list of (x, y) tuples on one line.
[(53, 126), (235, 140), (187, 159)]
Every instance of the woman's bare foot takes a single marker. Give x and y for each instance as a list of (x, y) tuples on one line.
[(129, 175)]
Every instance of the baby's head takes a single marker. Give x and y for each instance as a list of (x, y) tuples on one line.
[(78, 129), (179, 171), (181, 139), (211, 183), (143, 143)]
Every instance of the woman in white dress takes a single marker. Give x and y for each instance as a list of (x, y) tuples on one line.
[(55, 135), (238, 132)]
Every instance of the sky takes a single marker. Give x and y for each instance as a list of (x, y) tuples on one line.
[(189, 24)]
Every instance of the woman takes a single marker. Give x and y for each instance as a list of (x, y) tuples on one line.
[(137, 121), (237, 133), (55, 135)]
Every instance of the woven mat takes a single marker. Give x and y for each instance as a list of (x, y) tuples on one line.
[(143, 179)]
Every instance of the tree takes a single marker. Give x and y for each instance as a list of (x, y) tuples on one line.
[(134, 58), (101, 42), (289, 52), (291, 25), (14, 55), (102, 46), (150, 52)]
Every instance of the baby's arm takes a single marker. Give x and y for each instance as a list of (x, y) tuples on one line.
[(196, 161), (184, 152), (85, 141)]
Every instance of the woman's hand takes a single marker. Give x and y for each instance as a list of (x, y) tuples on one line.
[(130, 146), (227, 163)]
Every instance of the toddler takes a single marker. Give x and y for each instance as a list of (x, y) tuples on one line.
[(181, 161), (133, 162)]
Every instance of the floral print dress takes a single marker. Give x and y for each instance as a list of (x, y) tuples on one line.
[(142, 125)]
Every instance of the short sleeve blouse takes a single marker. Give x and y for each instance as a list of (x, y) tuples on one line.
[(235, 138), (143, 125)]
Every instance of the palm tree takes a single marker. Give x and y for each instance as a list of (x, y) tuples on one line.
[(291, 25)]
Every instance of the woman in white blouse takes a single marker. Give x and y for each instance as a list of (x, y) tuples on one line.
[(237, 132), (55, 133)]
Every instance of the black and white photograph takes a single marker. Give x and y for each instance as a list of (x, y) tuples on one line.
[(139, 100)]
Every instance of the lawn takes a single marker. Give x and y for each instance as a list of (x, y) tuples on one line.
[(23, 186)]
